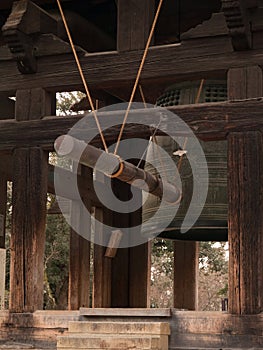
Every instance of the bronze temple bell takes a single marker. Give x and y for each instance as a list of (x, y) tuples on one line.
[(212, 224)]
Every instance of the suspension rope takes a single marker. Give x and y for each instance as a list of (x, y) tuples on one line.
[(82, 75), (138, 75)]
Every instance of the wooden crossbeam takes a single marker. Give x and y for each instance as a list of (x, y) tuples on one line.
[(104, 70), (209, 121), (164, 63)]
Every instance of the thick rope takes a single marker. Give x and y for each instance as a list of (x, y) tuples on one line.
[(82, 75), (139, 74)]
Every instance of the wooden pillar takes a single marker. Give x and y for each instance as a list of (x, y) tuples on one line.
[(30, 170), (139, 268), (131, 266), (3, 202), (245, 156), (186, 256), (245, 174), (28, 229), (79, 265), (140, 275), (134, 22), (101, 265)]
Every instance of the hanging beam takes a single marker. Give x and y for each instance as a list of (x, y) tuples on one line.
[(114, 167)]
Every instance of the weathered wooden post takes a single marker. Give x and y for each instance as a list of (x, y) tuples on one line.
[(245, 186), (30, 171)]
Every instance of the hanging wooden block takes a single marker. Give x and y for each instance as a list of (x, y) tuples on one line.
[(114, 244)]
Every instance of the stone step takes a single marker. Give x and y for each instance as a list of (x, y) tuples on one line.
[(153, 328), (84, 341)]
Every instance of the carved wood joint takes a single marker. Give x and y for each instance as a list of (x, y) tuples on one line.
[(238, 22), (23, 26)]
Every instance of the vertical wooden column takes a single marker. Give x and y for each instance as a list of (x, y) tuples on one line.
[(245, 181), (101, 264), (134, 22), (131, 266), (139, 268), (140, 275), (30, 170), (186, 256), (3, 201), (120, 264), (28, 229), (79, 265)]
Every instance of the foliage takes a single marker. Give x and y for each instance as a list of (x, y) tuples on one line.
[(213, 275), (65, 100), (56, 262)]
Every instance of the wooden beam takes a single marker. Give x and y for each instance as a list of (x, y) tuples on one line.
[(28, 229), (238, 22), (211, 121), (199, 59), (134, 23), (186, 259), (115, 167)]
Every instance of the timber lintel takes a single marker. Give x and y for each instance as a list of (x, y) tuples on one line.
[(238, 22), (209, 121), (23, 24)]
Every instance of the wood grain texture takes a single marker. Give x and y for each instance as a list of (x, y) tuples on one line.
[(199, 58), (186, 266), (28, 229), (245, 202), (101, 265), (245, 222), (212, 121), (32, 104), (79, 264), (134, 22)]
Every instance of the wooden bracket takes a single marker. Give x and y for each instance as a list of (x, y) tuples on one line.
[(25, 22), (238, 22)]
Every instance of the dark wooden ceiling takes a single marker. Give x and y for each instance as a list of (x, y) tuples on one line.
[(177, 16)]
